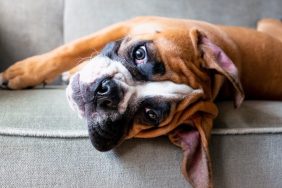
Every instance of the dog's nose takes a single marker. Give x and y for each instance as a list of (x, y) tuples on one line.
[(108, 94)]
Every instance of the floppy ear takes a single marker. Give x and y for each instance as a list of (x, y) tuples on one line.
[(216, 59), (193, 140)]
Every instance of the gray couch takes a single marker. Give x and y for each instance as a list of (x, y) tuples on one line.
[(44, 144)]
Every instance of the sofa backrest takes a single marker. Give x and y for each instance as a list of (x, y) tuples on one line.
[(33, 27), (28, 28)]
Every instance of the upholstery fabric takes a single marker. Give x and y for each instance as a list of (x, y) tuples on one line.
[(252, 114), (38, 110), (39, 162), (239, 161), (247, 161)]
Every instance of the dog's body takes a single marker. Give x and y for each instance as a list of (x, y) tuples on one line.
[(160, 76)]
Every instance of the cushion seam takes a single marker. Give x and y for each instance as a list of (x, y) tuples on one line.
[(84, 134), (43, 133), (244, 131)]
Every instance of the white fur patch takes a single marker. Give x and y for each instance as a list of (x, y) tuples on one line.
[(164, 89), (73, 105), (66, 76)]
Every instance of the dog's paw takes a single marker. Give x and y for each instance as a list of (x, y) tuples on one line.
[(28, 73), (16, 77), (12, 80)]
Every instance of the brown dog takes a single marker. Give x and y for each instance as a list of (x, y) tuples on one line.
[(160, 76)]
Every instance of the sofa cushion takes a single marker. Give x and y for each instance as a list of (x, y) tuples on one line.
[(247, 161), (73, 162), (44, 144), (28, 28), (251, 117), (38, 111)]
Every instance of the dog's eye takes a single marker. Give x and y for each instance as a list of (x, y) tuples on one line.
[(140, 55), (152, 116)]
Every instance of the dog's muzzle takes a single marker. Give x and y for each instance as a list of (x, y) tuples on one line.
[(97, 92)]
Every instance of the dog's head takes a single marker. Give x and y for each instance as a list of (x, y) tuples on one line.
[(158, 83)]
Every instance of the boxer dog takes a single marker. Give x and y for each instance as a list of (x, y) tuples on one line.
[(154, 76)]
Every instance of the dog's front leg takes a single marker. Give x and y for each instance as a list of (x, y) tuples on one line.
[(46, 67)]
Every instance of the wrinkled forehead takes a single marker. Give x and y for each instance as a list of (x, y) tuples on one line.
[(169, 38), (172, 47)]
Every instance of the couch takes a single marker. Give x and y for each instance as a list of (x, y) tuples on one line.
[(44, 144)]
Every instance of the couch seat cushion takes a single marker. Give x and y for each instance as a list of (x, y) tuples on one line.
[(45, 112), (44, 144)]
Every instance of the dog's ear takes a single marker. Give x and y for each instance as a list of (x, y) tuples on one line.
[(196, 166), (214, 58)]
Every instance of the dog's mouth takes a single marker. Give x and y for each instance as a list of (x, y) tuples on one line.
[(107, 135), (98, 103), (102, 103)]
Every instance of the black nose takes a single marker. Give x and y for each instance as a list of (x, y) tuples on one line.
[(108, 94)]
